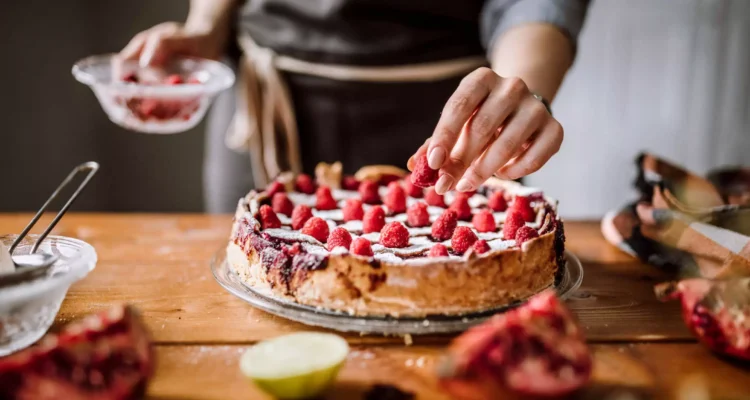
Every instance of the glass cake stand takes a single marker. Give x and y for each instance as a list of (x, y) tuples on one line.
[(567, 281)]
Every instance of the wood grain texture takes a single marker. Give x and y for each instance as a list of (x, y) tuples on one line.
[(160, 263), (645, 371)]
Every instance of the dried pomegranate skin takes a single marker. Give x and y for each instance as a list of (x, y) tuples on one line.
[(717, 312), (105, 356), (536, 349)]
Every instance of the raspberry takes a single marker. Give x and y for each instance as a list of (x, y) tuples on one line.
[(524, 234), (417, 215), (300, 215), (292, 250), (385, 179), (497, 201), (275, 187), (305, 184), (463, 238), (423, 175), (281, 204), (481, 246), (368, 192), (394, 234), (339, 237), (483, 221), (324, 200), (460, 205), (438, 250), (522, 205), (434, 199), (130, 77), (349, 183), (174, 79), (395, 198), (513, 222), (268, 218), (411, 189), (353, 210), (443, 227), (361, 247), (373, 220), (317, 228)]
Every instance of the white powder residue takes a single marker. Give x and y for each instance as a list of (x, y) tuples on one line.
[(335, 215), (388, 257), (500, 244), (288, 235), (421, 231), (353, 226), (477, 201), (489, 235), (372, 236), (301, 198)]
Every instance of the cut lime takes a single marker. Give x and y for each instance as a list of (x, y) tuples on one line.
[(295, 366)]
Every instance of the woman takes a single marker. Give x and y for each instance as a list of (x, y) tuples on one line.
[(369, 82)]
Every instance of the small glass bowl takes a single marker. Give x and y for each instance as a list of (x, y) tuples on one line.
[(154, 106), (27, 310)]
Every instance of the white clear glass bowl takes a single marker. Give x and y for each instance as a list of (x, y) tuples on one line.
[(27, 310), (183, 106)]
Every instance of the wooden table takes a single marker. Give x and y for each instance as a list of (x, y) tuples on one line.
[(159, 263)]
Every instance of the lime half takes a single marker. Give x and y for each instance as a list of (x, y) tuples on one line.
[(295, 366)]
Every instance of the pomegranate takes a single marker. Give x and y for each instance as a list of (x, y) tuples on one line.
[(717, 311), (105, 356), (537, 349)]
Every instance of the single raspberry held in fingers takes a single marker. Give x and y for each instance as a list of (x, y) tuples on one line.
[(349, 182), (463, 238), (130, 77), (431, 197), (339, 237), (417, 215), (275, 187), (374, 220), (460, 205), (395, 198), (281, 204), (300, 215), (316, 227), (361, 247), (497, 201), (444, 225), (438, 250), (484, 221), (481, 246), (411, 189), (268, 218), (305, 184), (394, 235), (368, 192), (324, 199), (353, 210), (524, 234), (522, 205), (513, 222), (423, 176)]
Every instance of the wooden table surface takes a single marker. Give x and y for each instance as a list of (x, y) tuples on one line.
[(160, 264)]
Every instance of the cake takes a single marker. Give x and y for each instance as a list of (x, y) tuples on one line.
[(453, 258)]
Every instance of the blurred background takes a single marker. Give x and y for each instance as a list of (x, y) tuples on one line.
[(676, 74)]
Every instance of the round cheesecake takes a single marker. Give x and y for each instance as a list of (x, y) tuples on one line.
[(401, 282)]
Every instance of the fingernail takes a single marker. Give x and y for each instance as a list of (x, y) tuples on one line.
[(444, 184), (436, 158), (464, 185)]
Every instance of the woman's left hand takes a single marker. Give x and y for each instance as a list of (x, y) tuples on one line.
[(491, 125)]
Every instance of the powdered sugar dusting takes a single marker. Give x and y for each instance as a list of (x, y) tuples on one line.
[(288, 235), (421, 231), (388, 257), (333, 215), (301, 198), (500, 244)]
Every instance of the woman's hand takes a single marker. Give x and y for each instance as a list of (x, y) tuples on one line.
[(491, 125), (157, 45)]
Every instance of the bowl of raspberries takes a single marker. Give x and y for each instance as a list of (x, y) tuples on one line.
[(163, 100)]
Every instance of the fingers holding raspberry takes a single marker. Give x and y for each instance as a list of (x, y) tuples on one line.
[(490, 125)]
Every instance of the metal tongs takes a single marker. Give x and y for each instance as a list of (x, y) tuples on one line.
[(33, 265)]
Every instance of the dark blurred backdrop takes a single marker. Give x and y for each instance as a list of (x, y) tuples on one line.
[(51, 123)]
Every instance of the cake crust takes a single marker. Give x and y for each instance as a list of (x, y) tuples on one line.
[(297, 268)]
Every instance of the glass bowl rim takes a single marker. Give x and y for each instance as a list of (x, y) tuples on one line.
[(80, 266)]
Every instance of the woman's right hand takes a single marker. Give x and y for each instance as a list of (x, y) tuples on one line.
[(157, 45)]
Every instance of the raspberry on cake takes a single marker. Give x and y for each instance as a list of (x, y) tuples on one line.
[(374, 220), (417, 261), (300, 215), (443, 227), (394, 235), (411, 189), (317, 228), (522, 205), (368, 192), (349, 183)]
